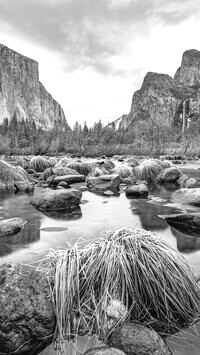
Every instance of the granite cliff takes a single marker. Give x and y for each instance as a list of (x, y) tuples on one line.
[(22, 94), (164, 100)]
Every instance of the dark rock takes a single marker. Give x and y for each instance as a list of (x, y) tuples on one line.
[(137, 339), (104, 351), (169, 175), (140, 190), (64, 184), (103, 183), (70, 179), (187, 196), (11, 226), (56, 200), (185, 222), (27, 319), (30, 171)]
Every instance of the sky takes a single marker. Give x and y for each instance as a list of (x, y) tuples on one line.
[(93, 54)]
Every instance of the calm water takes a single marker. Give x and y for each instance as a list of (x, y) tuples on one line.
[(97, 213)]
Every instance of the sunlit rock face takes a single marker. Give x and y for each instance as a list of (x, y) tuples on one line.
[(161, 98), (22, 95), (189, 71)]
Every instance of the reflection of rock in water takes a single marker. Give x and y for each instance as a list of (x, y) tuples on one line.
[(186, 243), (30, 234), (64, 215), (148, 214)]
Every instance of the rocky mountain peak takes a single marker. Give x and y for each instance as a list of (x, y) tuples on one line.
[(189, 71), (21, 93)]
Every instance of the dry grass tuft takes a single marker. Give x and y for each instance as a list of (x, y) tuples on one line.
[(133, 266), (148, 170), (164, 163), (124, 171), (10, 176), (39, 163)]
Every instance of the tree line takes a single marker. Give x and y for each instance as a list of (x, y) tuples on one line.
[(142, 138)]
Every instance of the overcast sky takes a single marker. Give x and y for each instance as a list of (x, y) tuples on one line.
[(93, 54)]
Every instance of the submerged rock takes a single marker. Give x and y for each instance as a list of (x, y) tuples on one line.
[(103, 183), (185, 222), (11, 226), (56, 200), (137, 339), (187, 196), (139, 190), (27, 319), (104, 351)]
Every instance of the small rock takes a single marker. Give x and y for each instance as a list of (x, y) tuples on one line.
[(116, 309), (64, 184), (104, 351), (190, 182), (169, 175), (137, 339), (140, 190), (103, 183), (108, 193), (185, 222), (187, 196), (70, 179)]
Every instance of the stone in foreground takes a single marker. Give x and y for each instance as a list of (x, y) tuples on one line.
[(185, 222), (57, 200), (140, 190), (187, 196), (27, 319), (103, 183), (104, 351), (11, 226), (137, 339)]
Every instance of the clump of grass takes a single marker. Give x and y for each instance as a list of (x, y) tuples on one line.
[(148, 170), (52, 161), (23, 162), (151, 279), (83, 168), (65, 170), (164, 163), (124, 171), (62, 163), (106, 164), (39, 163), (98, 171)]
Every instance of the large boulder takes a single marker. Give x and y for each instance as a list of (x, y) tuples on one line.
[(103, 183), (185, 222), (27, 319), (187, 196), (56, 200), (14, 178), (137, 339), (139, 190), (169, 175), (11, 226), (70, 179)]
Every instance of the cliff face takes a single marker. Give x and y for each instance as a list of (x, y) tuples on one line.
[(21, 93), (161, 98)]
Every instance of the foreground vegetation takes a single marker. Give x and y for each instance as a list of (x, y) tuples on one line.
[(152, 282), (24, 138)]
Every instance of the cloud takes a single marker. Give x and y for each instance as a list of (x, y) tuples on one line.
[(91, 33)]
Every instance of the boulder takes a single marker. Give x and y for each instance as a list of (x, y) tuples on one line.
[(187, 196), (27, 319), (169, 175), (190, 182), (139, 190), (11, 226), (56, 200), (103, 183), (185, 222), (104, 351), (14, 178), (70, 179), (137, 339)]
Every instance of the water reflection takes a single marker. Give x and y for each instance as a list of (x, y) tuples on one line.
[(64, 215), (186, 243), (148, 213)]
